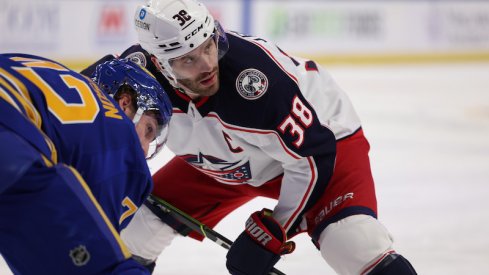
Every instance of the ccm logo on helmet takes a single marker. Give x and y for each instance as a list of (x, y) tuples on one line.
[(194, 32), (257, 233)]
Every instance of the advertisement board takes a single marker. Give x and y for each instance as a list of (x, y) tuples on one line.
[(362, 28), (83, 31)]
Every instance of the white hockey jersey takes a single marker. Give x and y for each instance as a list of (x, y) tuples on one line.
[(273, 115)]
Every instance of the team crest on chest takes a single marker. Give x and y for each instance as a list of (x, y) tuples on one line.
[(251, 84), (221, 170)]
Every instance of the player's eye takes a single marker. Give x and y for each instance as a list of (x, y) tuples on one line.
[(188, 60)]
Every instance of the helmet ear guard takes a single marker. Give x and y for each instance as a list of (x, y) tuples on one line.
[(112, 76)]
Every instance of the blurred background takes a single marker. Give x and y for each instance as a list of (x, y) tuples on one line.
[(77, 32), (416, 71)]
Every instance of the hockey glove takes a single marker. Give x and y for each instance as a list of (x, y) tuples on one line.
[(259, 247)]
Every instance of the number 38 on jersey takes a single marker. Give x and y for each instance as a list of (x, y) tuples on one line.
[(299, 118)]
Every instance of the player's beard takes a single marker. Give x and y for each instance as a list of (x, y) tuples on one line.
[(195, 85)]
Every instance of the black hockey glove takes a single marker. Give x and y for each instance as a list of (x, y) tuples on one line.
[(259, 247)]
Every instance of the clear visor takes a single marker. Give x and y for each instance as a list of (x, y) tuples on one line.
[(157, 144), (152, 131), (186, 66)]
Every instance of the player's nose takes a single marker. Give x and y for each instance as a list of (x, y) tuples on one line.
[(206, 63)]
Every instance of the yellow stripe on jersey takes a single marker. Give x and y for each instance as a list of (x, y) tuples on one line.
[(19, 91), (21, 94), (122, 246), (6, 96), (47, 162), (52, 148), (39, 63)]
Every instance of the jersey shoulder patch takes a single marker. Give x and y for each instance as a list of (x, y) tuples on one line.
[(138, 58), (251, 84)]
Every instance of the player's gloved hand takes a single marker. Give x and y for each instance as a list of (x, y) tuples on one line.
[(259, 247)]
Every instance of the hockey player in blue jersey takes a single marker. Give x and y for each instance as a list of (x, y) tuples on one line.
[(73, 162), (249, 120)]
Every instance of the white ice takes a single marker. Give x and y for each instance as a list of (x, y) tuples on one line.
[(428, 127)]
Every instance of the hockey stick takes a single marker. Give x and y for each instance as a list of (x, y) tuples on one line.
[(195, 225)]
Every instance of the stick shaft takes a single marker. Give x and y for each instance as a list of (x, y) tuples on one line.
[(196, 225)]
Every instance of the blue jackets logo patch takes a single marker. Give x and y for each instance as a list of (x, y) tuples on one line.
[(251, 84), (221, 170), (138, 58)]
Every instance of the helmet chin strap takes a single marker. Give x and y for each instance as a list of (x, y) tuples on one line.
[(192, 95), (183, 89)]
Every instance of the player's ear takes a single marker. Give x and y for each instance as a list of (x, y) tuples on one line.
[(125, 102)]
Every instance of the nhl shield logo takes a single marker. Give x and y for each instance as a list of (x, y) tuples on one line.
[(251, 84), (79, 255)]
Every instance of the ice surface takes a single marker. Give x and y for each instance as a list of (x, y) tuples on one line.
[(428, 126)]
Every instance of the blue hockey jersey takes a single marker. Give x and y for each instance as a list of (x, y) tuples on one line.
[(83, 128)]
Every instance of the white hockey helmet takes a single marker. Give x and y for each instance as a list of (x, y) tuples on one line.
[(169, 29)]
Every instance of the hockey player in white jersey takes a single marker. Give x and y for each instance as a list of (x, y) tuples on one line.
[(250, 120)]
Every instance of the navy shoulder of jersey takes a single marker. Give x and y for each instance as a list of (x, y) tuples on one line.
[(257, 92), (251, 78)]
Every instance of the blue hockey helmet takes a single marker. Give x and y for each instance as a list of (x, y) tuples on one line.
[(111, 76)]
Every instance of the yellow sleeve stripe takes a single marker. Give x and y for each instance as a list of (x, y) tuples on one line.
[(39, 63), (52, 148), (19, 91), (122, 246), (21, 94), (6, 96)]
